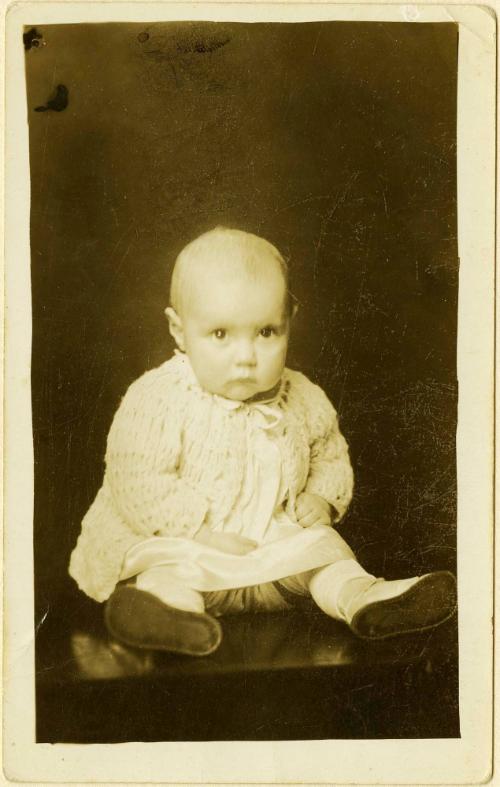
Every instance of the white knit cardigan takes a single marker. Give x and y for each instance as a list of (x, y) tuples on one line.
[(176, 458)]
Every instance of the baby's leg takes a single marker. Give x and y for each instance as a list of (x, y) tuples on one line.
[(157, 611), (160, 582), (375, 608)]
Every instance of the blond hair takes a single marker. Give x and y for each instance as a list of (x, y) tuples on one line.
[(233, 249)]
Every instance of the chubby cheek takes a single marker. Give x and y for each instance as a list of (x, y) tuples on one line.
[(212, 355), (275, 359), (207, 363)]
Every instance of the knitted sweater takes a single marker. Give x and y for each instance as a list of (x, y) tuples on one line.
[(176, 458)]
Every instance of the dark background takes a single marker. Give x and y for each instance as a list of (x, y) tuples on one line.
[(336, 142)]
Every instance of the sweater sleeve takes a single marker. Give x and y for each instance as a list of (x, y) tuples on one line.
[(142, 466), (330, 471)]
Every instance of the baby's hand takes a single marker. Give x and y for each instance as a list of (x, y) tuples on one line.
[(312, 510), (225, 542)]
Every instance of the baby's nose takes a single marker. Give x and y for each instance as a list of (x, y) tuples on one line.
[(245, 353)]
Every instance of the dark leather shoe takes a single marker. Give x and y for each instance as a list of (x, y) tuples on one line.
[(139, 619), (427, 603)]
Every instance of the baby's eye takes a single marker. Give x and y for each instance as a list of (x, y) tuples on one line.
[(220, 333), (268, 331)]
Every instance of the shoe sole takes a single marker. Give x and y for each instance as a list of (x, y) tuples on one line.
[(141, 620), (428, 603)]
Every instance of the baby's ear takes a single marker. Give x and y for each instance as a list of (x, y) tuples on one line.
[(175, 327)]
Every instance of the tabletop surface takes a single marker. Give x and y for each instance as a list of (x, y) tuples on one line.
[(77, 648)]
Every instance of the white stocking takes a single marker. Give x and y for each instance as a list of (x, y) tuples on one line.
[(327, 584), (160, 582)]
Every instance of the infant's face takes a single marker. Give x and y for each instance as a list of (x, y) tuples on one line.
[(235, 333)]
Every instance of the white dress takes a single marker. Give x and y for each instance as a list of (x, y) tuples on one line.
[(284, 548)]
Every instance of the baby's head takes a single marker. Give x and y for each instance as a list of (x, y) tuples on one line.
[(230, 312)]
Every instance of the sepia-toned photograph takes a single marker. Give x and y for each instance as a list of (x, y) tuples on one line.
[(244, 271), (244, 284)]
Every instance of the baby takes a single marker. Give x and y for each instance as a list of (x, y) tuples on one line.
[(224, 473)]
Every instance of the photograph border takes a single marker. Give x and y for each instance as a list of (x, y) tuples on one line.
[(466, 760)]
